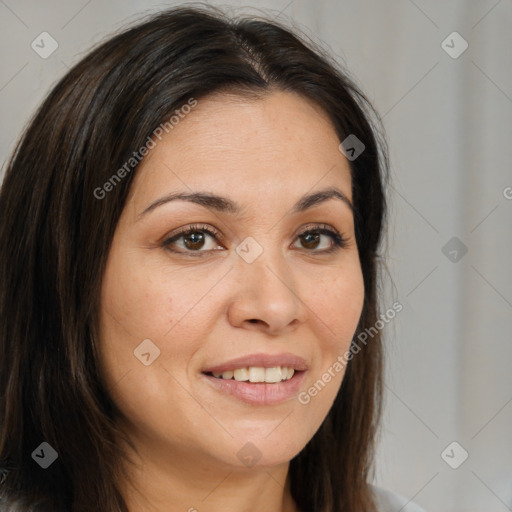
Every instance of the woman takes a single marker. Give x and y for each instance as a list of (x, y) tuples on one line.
[(190, 229)]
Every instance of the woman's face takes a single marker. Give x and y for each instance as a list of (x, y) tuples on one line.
[(258, 293)]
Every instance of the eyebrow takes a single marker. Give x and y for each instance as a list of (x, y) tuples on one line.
[(226, 205)]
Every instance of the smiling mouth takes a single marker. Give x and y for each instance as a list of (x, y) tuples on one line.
[(257, 374), (257, 385)]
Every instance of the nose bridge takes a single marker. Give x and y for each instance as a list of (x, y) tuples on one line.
[(266, 289), (264, 263)]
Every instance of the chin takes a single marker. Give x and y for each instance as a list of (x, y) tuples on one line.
[(261, 451)]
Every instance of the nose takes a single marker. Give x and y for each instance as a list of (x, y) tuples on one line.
[(266, 295)]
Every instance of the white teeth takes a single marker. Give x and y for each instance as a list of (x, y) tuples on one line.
[(273, 374), (241, 374), (257, 374)]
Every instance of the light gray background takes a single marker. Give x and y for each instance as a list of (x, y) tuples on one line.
[(449, 125)]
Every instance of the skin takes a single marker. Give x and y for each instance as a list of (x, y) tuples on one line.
[(264, 154)]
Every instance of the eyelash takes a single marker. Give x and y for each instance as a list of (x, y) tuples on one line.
[(338, 240)]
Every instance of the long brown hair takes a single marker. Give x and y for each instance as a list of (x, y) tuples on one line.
[(55, 236)]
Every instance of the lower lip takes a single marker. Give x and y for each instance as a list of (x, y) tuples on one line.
[(259, 393)]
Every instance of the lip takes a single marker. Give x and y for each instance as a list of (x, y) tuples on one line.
[(258, 393), (262, 360)]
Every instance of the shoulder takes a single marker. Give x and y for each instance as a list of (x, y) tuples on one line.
[(388, 501)]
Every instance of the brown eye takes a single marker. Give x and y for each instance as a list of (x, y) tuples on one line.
[(201, 240), (193, 239), (312, 238)]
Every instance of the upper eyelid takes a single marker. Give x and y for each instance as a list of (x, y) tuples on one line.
[(206, 227), (195, 227)]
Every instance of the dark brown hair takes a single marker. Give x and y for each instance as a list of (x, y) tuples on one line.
[(55, 236)]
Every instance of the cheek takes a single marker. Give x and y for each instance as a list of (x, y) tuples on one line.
[(138, 299), (135, 307), (338, 305), (143, 301)]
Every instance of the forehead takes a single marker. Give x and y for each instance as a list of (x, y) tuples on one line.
[(251, 148)]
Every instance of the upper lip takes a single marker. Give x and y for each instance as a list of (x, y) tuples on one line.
[(260, 360)]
